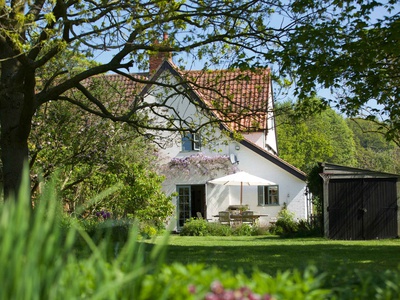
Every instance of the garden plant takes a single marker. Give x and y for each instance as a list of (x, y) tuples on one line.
[(45, 256)]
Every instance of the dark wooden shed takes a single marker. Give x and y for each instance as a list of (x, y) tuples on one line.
[(359, 204)]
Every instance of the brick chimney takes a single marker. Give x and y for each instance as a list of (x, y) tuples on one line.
[(156, 59)]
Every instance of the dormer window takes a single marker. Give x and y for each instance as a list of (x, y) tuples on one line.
[(191, 141)]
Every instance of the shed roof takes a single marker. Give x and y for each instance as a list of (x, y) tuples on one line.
[(333, 171)]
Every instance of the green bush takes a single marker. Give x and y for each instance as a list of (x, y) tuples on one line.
[(242, 230), (217, 229), (286, 226), (198, 282), (194, 227), (286, 222), (200, 227)]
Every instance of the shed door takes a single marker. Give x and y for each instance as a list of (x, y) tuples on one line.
[(380, 202), (362, 209)]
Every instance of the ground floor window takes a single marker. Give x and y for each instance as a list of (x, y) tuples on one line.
[(268, 195)]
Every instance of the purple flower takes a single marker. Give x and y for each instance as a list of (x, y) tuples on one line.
[(103, 214)]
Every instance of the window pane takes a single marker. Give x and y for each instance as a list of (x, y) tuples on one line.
[(260, 190), (183, 204), (196, 141), (187, 142), (273, 195)]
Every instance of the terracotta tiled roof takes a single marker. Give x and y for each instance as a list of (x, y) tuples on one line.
[(239, 97), (126, 84)]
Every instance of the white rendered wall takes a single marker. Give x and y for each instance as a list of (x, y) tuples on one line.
[(291, 189), (257, 138)]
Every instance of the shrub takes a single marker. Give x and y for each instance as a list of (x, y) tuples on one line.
[(285, 224), (40, 260), (200, 227), (195, 227), (198, 282), (244, 229), (217, 229), (305, 229)]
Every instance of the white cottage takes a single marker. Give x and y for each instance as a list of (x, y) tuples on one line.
[(203, 151)]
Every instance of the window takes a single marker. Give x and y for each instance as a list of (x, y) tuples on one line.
[(191, 141), (268, 195)]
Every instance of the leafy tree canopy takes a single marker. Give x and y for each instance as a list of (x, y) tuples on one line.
[(332, 44), (351, 49), (325, 136), (374, 152), (305, 141), (95, 155), (35, 34)]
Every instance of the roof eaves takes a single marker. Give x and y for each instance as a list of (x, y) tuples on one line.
[(275, 159), (167, 65), (339, 170)]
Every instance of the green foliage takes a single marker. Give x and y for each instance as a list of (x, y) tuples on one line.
[(194, 227), (305, 140), (327, 137), (352, 284), (374, 152), (40, 260), (243, 230), (92, 156), (198, 282), (315, 186), (358, 63), (200, 227), (287, 226), (285, 223), (217, 229)]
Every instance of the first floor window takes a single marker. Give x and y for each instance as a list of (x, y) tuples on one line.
[(191, 141), (268, 195)]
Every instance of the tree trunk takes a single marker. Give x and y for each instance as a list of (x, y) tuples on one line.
[(16, 103)]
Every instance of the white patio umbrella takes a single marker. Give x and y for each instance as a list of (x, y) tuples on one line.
[(241, 178)]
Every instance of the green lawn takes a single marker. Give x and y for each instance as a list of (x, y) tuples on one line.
[(270, 254)]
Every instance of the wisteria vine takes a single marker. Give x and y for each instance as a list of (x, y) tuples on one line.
[(202, 164)]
